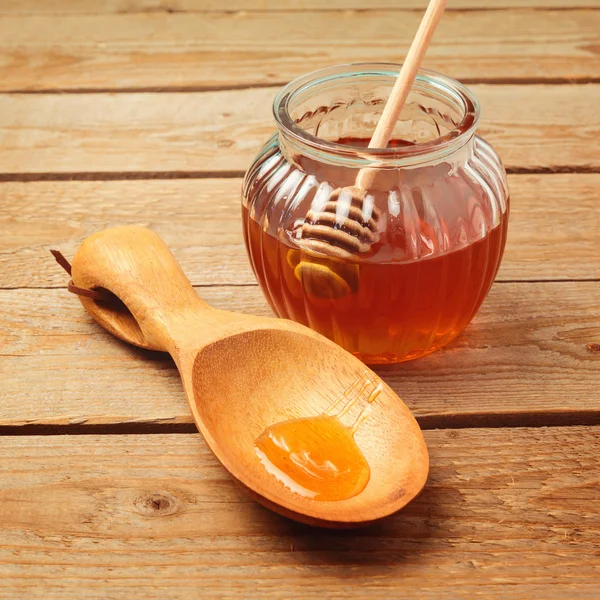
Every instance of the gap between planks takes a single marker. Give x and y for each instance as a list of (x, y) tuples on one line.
[(166, 175), (249, 86), (413, 9), (200, 286), (426, 422), (170, 10)]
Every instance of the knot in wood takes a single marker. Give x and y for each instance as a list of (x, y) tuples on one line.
[(595, 348), (157, 504)]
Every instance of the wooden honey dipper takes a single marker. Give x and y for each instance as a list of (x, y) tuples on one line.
[(325, 231)]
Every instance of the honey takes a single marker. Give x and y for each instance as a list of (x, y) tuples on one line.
[(379, 311), (317, 457)]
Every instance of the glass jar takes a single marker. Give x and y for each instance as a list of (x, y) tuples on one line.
[(388, 252)]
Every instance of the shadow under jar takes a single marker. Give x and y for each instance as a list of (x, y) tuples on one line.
[(399, 270)]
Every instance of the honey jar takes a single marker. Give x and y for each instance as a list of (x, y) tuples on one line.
[(397, 268)]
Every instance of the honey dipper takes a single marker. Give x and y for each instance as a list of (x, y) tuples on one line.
[(343, 238), (242, 374)]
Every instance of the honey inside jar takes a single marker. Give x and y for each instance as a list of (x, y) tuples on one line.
[(380, 306)]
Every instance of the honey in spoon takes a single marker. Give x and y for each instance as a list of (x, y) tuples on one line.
[(317, 457)]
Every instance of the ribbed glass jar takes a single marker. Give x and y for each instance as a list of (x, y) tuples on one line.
[(388, 252)]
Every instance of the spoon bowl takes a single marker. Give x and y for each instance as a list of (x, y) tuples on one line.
[(243, 375)]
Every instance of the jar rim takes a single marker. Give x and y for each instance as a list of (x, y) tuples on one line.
[(432, 80)]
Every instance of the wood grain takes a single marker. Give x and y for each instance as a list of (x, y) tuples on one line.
[(210, 50), (553, 229), (526, 357), (54, 7), (506, 514), (532, 127)]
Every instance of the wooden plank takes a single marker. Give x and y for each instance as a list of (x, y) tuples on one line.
[(200, 50), (553, 230), (506, 514), (54, 7), (526, 358), (200, 219), (532, 127)]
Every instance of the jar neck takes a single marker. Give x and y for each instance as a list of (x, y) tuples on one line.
[(298, 153), (328, 117)]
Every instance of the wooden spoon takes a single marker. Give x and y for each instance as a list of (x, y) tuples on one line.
[(243, 375)]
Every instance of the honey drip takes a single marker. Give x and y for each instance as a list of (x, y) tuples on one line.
[(317, 457)]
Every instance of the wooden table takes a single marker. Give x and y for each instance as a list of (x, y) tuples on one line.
[(148, 112)]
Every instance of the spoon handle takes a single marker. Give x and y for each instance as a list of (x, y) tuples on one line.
[(150, 296)]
